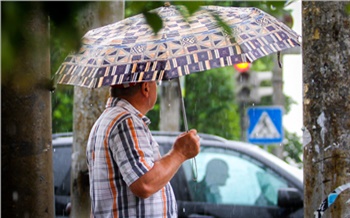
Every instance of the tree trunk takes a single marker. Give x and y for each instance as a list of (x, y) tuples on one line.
[(326, 78), (169, 106), (26, 149), (88, 106)]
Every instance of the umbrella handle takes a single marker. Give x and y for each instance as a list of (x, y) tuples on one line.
[(183, 109)]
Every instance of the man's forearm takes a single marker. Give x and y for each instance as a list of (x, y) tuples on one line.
[(160, 174)]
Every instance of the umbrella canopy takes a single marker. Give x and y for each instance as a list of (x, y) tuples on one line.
[(128, 50)]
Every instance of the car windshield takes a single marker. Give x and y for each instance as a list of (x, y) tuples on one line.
[(296, 172)]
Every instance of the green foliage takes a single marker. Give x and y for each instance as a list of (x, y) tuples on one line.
[(210, 104), (154, 21), (263, 64), (223, 25), (137, 7), (347, 9), (153, 115), (293, 149), (63, 23), (275, 8), (62, 109), (191, 7), (62, 99)]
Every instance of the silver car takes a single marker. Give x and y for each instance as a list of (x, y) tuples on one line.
[(227, 179)]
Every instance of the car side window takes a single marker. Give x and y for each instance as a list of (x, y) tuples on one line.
[(62, 169), (229, 177)]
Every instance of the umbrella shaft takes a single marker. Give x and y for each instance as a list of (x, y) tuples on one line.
[(194, 162), (183, 109)]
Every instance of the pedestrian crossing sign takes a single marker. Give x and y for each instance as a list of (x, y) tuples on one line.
[(265, 125)]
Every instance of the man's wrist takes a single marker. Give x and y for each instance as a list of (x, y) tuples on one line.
[(178, 156)]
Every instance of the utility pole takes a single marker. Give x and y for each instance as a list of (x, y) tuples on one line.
[(243, 121), (326, 104), (277, 84), (277, 95), (26, 148), (243, 93), (88, 106)]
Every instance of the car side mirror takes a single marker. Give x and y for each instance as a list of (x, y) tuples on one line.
[(289, 197)]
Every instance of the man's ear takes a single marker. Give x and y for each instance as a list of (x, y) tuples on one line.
[(145, 89)]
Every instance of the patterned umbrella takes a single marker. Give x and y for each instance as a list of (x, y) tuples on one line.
[(128, 51)]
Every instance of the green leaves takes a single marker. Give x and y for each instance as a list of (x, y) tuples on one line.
[(210, 102), (191, 6), (154, 21), (347, 9), (225, 26), (187, 8)]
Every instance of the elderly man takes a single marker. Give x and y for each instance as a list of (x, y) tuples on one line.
[(128, 177)]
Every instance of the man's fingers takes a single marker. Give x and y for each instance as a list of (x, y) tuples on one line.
[(193, 131)]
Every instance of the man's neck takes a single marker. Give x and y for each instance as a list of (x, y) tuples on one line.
[(138, 103)]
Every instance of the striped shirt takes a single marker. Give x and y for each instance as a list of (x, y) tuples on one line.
[(120, 150)]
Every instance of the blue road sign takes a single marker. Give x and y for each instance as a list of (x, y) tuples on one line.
[(265, 125)]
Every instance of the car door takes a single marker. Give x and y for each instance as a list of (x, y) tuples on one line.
[(62, 170), (229, 184)]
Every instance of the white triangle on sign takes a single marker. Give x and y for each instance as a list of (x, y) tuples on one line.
[(264, 128)]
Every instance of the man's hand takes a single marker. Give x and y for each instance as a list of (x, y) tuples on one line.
[(187, 144), (185, 147)]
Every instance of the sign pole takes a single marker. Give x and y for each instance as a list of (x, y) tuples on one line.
[(243, 122)]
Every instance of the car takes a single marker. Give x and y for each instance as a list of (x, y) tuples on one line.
[(226, 179), (62, 159)]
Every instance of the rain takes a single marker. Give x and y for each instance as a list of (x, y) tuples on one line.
[(294, 165)]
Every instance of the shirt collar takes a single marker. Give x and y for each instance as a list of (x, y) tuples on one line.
[(114, 102)]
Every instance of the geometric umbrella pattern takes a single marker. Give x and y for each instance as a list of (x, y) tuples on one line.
[(128, 51)]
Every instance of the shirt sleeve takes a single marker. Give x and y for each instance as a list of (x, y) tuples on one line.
[(132, 149)]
